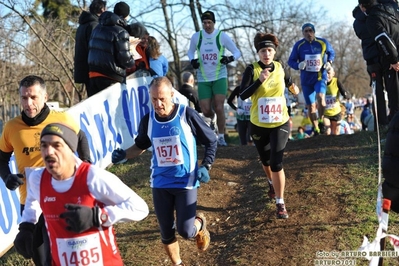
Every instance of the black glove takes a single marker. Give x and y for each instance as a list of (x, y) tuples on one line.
[(13, 181), (80, 218), (226, 59), (195, 64), (23, 242), (118, 156)]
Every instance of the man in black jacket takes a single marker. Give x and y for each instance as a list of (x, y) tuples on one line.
[(383, 25), (87, 22), (109, 53), (187, 89), (373, 60)]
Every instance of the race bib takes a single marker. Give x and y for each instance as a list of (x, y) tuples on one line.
[(330, 101), (313, 62), (270, 109), (208, 58), (83, 250), (168, 151), (247, 107)]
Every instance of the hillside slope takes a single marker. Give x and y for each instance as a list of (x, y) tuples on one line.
[(330, 196)]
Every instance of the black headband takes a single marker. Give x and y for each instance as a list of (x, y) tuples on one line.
[(264, 44)]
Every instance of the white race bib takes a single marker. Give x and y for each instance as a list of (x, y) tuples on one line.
[(247, 107), (270, 109), (313, 62), (82, 250), (168, 151), (209, 58), (330, 101)]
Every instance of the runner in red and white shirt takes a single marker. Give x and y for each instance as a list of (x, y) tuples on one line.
[(80, 203)]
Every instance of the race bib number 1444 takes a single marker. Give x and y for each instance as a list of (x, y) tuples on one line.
[(270, 109)]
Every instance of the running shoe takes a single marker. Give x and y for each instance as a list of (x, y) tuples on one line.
[(281, 211), (222, 142), (271, 192), (203, 237)]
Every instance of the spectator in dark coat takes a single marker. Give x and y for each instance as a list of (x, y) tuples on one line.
[(390, 161), (187, 89), (373, 60), (383, 25), (109, 53), (87, 22)]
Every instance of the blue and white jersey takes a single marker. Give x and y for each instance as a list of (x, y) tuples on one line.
[(174, 154)]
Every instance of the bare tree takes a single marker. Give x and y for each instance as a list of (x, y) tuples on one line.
[(30, 43), (43, 47)]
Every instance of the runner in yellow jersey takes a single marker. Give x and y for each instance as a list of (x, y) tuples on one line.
[(264, 82), (332, 110)]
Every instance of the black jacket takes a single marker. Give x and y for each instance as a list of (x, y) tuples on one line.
[(192, 95), (384, 18), (370, 49), (109, 47), (87, 22)]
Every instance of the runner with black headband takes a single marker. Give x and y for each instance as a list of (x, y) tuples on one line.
[(265, 81)]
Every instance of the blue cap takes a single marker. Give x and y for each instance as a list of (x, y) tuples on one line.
[(308, 25)]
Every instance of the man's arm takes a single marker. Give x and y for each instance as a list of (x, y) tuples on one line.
[(330, 52), (294, 58), (141, 143), (230, 45), (342, 90), (384, 41), (123, 55), (193, 46), (4, 160), (122, 204)]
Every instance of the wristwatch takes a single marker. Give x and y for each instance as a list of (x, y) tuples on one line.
[(103, 217), (208, 166)]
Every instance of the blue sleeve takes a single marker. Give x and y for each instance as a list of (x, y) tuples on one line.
[(294, 58), (330, 52), (165, 65), (204, 135)]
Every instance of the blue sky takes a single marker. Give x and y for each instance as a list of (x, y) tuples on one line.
[(340, 9)]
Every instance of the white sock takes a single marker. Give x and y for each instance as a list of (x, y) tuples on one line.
[(270, 182), (279, 201), (213, 119), (178, 263), (221, 136)]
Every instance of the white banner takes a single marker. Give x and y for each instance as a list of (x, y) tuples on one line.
[(110, 120)]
